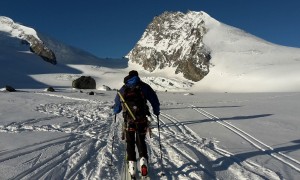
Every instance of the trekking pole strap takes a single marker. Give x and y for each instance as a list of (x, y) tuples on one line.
[(127, 107)]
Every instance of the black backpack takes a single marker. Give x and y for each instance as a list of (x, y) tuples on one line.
[(137, 103)]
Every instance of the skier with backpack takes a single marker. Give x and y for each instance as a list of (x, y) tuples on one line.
[(132, 100)]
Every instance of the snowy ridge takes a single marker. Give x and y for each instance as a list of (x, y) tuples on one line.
[(15, 29)]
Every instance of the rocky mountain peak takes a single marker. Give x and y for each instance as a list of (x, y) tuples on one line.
[(174, 39)]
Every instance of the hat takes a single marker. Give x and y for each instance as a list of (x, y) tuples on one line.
[(133, 73)]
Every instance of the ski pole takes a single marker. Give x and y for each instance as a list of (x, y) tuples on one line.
[(161, 160), (112, 145)]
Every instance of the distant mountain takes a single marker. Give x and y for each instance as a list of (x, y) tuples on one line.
[(67, 54), (216, 56), (20, 58)]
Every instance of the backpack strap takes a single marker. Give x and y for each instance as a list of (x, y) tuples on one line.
[(125, 104)]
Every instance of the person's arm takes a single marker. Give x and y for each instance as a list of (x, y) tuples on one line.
[(117, 105), (151, 96)]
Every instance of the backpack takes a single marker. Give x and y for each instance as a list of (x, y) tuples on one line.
[(136, 102)]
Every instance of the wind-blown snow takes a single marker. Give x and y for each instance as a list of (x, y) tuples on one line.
[(68, 134)]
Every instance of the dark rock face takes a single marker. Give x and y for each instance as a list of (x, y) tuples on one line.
[(174, 40), (84, 82), (40, 49)]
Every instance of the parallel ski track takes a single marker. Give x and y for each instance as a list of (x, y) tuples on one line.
[(182, 135), (173, 139), (291, 162)]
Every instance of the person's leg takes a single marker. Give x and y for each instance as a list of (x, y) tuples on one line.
[(131, 155), (130, 139), (140, 140), (142, 148), (141, 144)]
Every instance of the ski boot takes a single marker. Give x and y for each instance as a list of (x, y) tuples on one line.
[(144, 166), (132, 169)]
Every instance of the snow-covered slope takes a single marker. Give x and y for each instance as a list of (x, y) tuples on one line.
[(243, 62), (28, 36), (21, 68)]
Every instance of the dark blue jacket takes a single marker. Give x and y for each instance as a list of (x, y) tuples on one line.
[(147, 91)]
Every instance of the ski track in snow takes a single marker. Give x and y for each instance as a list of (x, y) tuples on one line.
[(201, 156), (84, 152), (285, 159), (81, 153)]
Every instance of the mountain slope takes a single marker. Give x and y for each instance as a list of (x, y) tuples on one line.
[(21, 68), (174, 40), (238, 61), (28, 36), (243, 62)]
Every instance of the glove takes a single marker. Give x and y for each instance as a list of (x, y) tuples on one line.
[(115, 112)]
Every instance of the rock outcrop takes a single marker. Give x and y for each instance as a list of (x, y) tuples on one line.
[(174, 40), (41, 50), (84, 82)]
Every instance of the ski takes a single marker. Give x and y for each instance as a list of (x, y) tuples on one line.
[(127, 174)]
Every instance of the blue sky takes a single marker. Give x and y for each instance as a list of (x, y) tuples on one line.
[(110, 28)]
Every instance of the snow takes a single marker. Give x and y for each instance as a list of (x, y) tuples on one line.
[(15, 29), (68, 134), (244, 63), (249, 132)]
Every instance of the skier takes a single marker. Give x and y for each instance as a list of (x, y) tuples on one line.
[(132, 100)]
